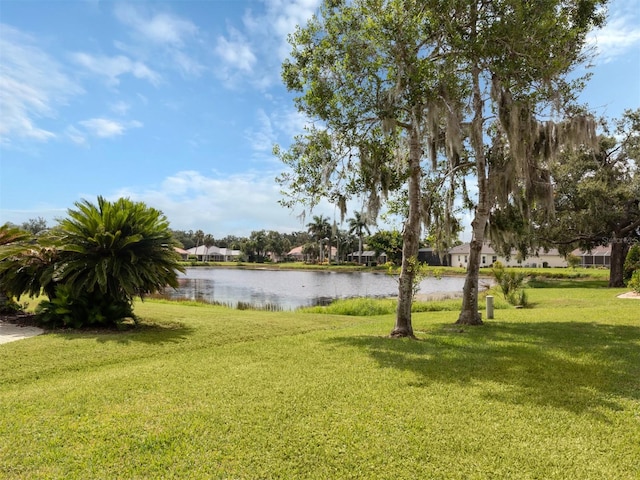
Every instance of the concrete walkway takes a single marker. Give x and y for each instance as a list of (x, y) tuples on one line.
[(10, 332)]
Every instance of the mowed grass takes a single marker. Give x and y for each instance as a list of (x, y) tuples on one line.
[(550, 392)]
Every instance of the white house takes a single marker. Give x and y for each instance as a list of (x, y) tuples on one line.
[(214, 254), (459, 257)]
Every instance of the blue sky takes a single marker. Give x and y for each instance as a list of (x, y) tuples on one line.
[(178, 104)]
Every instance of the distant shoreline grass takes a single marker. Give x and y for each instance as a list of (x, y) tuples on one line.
[(555, 272), (201, 391)]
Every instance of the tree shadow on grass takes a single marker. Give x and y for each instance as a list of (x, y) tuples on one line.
[(578, 367), (150, 333)]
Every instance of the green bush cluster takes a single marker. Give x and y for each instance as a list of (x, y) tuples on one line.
[(94, 263), (631, 263), (634, 281)]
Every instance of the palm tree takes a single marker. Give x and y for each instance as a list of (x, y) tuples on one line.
[(110, 253), (13, 242), (319, 229), (357, 226)]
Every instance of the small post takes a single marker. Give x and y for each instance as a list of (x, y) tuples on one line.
[(490, 306)]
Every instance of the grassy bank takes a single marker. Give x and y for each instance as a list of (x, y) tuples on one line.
[(566, 273), (208, 392)]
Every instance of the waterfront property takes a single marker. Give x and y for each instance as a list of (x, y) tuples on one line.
[(214, 254), (459, 257)]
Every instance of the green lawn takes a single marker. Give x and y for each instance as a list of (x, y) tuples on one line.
[(550, 392)]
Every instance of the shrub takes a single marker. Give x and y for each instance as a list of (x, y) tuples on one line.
[(634, 281), (511, 284), (69, 309), (631, 262)]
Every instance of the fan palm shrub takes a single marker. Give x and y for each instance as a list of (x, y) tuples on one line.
[(96, 261), (13, 242)]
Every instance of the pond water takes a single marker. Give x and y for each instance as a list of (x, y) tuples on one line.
[(291, 289)]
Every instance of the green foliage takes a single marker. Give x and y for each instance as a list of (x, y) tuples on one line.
[(93, 264), (634, 281), (511, 284), (389, 242), (573, 261), (71, 309), (631, 262), (121, 249)]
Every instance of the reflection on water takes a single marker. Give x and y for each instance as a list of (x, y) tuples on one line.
[(292, 289)]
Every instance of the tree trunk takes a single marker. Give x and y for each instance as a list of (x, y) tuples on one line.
[(616, 270), (410, 243), (469, 314)]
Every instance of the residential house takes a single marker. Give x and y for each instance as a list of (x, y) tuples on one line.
[(184, 255), (214, 254), (599, 256), (368, 258), (459, 257), (432, 258)]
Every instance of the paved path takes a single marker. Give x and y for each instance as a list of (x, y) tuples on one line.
[(10, 332)]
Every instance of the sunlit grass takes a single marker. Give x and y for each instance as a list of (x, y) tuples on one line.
[(550, 392)]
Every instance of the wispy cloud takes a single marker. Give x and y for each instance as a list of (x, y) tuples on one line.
[(32, 86), (621, 34), (153, 31), (263, 34), (114, 67), (120, 107), (106, 128), (236, 52), (158, 27), (192, 200)]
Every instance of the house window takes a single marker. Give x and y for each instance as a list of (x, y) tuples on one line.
[(494, 259), (465, 259), (458, 257), (484, 259)]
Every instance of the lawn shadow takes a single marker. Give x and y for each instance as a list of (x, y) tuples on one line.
[(150, 333), (567, 283), (574, 366)]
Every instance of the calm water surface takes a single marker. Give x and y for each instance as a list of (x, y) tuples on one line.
[(292, 289)]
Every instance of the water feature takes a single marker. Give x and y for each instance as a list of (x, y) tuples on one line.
[(291, 289)]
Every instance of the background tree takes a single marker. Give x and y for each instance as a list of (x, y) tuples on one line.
[(358, 225), (35, 225), (597, 196), (389, 242), (375, 75), (208, 241), (319, 229), (199, 238), (13, 243), (512, 58)]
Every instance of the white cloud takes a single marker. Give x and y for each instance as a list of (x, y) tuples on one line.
[(262, 138), (236, 53), (621, 34), (264, 35), (160, 28), (105, 128), (232, 205), (114, 67), (76, 136), (120, 107), (32, 86), (162, 32)]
